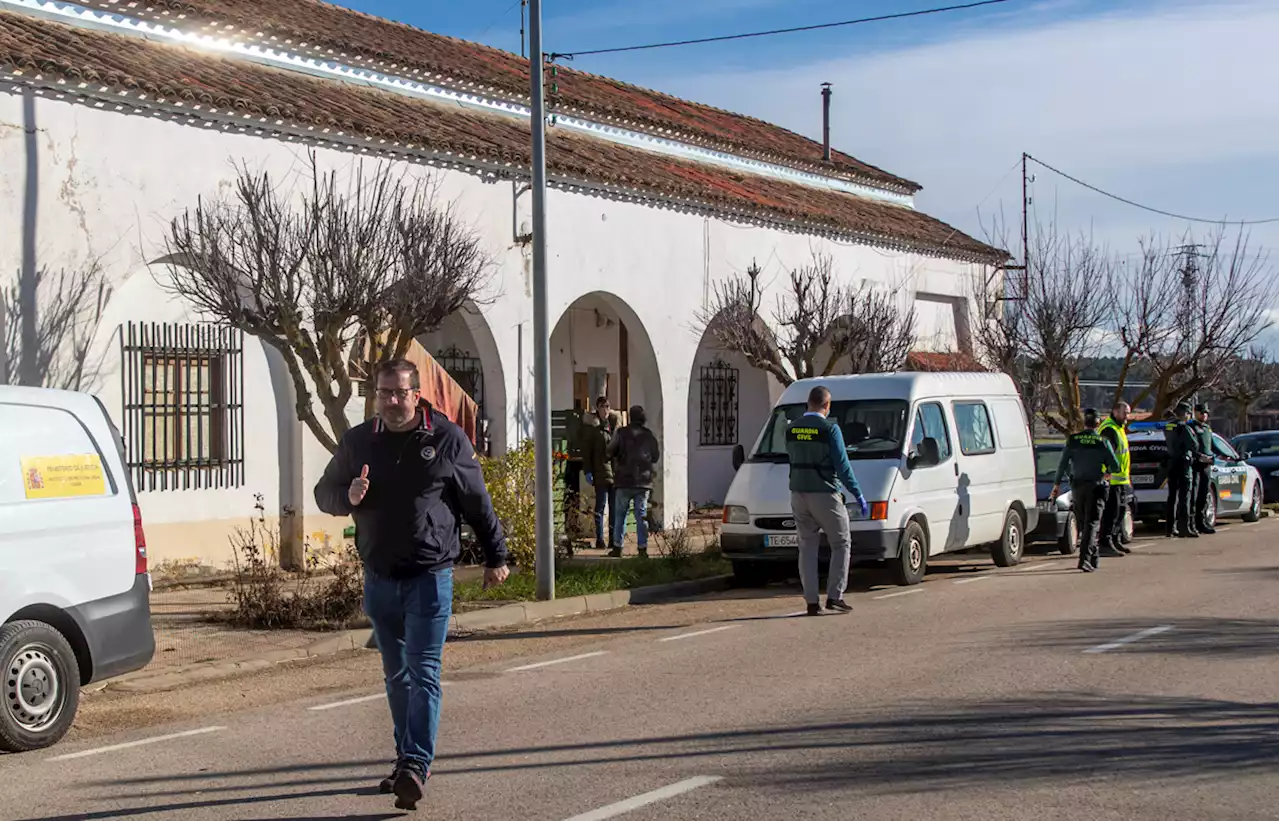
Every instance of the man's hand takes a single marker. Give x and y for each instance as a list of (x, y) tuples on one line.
[(1053, 494), (359, 487), (494, 576), (863, 506)]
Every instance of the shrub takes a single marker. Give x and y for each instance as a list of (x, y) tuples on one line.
[(510, 479)]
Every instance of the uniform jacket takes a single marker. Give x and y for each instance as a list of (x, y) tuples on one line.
[(1114, 433), (819, 461), (1182, 446), (634, 451), (1203, 434), (422, 484), (1086, 458)]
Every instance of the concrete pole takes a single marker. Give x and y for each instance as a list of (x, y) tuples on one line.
[(545, 550)]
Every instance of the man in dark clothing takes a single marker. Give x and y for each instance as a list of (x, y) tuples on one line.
[(1201, 470), (1089, 460), (408, 477), (1112, 429), (1182, 456), (597, 431), (634, 451)]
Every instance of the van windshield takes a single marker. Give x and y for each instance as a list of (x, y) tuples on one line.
[(872, 429)]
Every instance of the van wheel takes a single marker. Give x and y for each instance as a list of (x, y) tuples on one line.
[(1254, 513), (1126, 526), (1008, 551), (913, 555), (752, 574), (1070, 541), (40, 686)]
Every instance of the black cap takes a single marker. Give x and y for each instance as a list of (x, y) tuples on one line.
[(1183, 407), (1202, 408), (1090, 416)]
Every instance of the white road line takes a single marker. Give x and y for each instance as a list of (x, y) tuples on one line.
[(139, 743), (556, 661), (1141, 634), (899, 593), (797, 613), (699, 633), (662, 794), (973, 579), (1034, 565), (348, 702)]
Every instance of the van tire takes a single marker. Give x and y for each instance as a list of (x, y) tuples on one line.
[(752, 574), (34, 655), (913, 555), (1008, 551)]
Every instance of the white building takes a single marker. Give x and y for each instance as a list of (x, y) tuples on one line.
[(116, 116)]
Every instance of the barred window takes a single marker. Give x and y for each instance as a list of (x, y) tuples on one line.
[(183, 388), (719, 405)]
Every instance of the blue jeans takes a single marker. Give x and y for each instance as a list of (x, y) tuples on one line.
[(605, 497), (410, 619), (631, 498)]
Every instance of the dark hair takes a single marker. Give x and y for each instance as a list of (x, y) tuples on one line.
[(397, 367), (637, 415), (819, 396), (602, 400)]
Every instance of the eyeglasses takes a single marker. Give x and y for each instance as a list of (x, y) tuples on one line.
[(398, 393)]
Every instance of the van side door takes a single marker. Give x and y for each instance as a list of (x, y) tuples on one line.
[(932, 487), (979, 487)]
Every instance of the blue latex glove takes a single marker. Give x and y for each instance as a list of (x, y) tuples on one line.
[(590, 481), (863, 506)]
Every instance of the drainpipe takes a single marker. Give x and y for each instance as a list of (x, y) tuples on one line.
[(826, 122)]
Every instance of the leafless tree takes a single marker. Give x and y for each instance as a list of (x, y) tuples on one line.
[(327, 275), (1041, 326), (1246, 381), (1191, 311), (51, 348), (824, 327)]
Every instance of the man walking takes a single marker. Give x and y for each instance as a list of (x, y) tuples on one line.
[(819, 466), (409, 476), (597, 432), (1201, 470), (1182, 452), (1089, 460), (634, 451), (1112, 429)]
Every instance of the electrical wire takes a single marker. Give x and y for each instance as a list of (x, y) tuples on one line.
[(569, 55), (1118, 198)]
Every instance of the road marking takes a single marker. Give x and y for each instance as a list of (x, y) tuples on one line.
[(974, 579), (139, 743), (662, 794), (348, 702), (556, 661), (699, 633), (1034, 565), (1138, 636), (899, 593)]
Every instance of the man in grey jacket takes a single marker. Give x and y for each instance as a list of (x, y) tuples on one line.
[(634, 451)]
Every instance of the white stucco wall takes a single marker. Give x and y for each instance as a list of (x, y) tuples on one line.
[(109, 182)]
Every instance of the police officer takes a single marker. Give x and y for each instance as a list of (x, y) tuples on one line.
[(819, 466), (1201, 470), (1112, 429), (408, 477), (1089, 460), (1180, 443)]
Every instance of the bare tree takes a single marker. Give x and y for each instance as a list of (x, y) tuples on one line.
[(52, 348), (1043, 327), (1246, 381), (824, 327), (327, 276), (1190, 311)]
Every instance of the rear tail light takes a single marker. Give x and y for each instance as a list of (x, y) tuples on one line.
[(139, 542), (879, 511)]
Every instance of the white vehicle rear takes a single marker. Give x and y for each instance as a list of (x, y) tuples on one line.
[(74, 587), (944, 460)]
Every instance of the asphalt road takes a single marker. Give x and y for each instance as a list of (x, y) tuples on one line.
[(1147, 690)]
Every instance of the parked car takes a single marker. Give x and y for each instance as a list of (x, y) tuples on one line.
[(1262, 450), (74, 586), (943, 459), (1235, 486), (1057, 520)]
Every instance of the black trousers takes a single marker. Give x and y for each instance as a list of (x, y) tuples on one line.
[(1089, 500), (1177, 503), (1200, 498), (1113, 515), (572, 497)]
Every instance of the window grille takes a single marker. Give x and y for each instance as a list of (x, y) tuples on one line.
[(719, 405)]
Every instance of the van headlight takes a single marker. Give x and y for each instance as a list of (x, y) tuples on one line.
[(735, 515)]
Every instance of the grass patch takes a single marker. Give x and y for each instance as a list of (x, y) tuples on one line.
[(587, 578)]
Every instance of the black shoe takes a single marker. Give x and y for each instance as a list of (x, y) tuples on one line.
[(615, 553), (1088, 568), (409, 788), (813, 610), (1188, 534), (385, 786), (643, 552), (600, 546), (839, 605), (1123, 549), (1207, 531), (1111, 553)]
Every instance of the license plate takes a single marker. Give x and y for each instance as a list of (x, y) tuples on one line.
[(1047, 507), (1144, 480), (789, 540)]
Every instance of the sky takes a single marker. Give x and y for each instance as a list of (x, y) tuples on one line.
[(1170, 103)]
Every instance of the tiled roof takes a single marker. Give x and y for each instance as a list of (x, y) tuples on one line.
[(95, 63), (933, 361), (333, 32)]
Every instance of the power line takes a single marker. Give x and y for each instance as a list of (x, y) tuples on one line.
[(1118, 198), (569, 55)]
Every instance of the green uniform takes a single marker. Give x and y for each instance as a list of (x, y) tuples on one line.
[(1182, 449), (1200, 472), (1087, 458)]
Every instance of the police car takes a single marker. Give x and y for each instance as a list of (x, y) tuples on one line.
[(1236, 486)]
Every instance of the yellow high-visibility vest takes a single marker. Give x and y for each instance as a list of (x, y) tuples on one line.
[(1122, 452)]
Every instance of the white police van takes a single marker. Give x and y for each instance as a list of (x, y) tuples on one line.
[(1235, 486), (944, 461)]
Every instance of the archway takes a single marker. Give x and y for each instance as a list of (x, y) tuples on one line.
[(600, 347), (729, 402), (464, 346)]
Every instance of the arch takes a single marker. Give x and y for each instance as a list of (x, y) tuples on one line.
[(600, 345), (464, 346), (729, 402)]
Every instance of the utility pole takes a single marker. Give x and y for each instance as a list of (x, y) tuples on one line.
[(545, 549), (1026, 261)]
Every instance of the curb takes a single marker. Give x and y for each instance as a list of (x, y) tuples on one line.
[(361, 638)]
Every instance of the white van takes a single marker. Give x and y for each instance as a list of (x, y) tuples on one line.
[(74, 587), (944, 461)]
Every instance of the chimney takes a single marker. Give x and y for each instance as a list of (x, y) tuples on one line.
[(826, 122)]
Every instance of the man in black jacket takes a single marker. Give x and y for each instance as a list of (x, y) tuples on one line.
[(634, 451), (408, 477), (1089, 460)]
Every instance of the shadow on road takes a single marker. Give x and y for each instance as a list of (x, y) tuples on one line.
[(1210, 637)]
